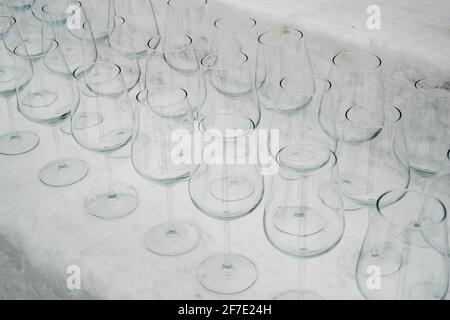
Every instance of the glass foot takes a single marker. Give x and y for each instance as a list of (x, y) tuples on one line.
[(66, 127), (299, 295), (14, 143), (108, 205), (214, 277), (63, 172), (172, 242), (124, 152)]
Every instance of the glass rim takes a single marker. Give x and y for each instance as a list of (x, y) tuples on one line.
[(332, 154), (54, 45), (116, 17), (222, 53), (427, 90), (47, 4), (246, 133), (202, 3), (140, 93), (359, 52), (387, 124), (405, 191), (165, 35), (249, 19), (92, 64), (321, 79), (302, 35), (12, 21)]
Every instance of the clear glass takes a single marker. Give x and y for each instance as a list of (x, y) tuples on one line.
[(62, 21), (103, 94), (140, 21), (357, 79), (171, 61), (189, 17), (300, 120), (402, 218), (280, 53), (226, 188), (304, 215), (440, 186), (373, 157), (428, 125), (114, 44), (160, 112), (48, 99), (235, 33), (230, 86), (14, 142)]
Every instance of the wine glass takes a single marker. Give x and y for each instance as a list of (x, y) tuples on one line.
[(428, 126), (189, 17), (230, 86), (235, 33), (160, 112), (14, 142), (358, 80), (300, 120), (304, 214), (103, 92), (280, 52), (48, 99), (440, 186), (115, 45), (62, 21), (171, 61), (402, 215), (226, 185), (140, 20), (373, 156)]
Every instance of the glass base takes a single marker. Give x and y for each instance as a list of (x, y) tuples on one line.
[(299, 295), (107, 205), (214, 277), (63, 172), (14, 143), (172, 242)]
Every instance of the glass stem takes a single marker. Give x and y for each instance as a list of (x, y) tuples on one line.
[(111, 191), (301, 277), (171, 230), (227, 247), (61, 163), (12, 122)]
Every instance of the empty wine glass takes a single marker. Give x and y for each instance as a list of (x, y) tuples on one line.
[(226, 186), (304, 214), (48, 99), (402, 215), (140, 20), (440, 186), (62, 21), (230, 86), (103, 92), (357, 78), (115, 45), (300, 120), (189, 17), (428, 125), (171, 60), (235, 33), (160, 112), (281, 52), (13, 142), (373, 156)]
